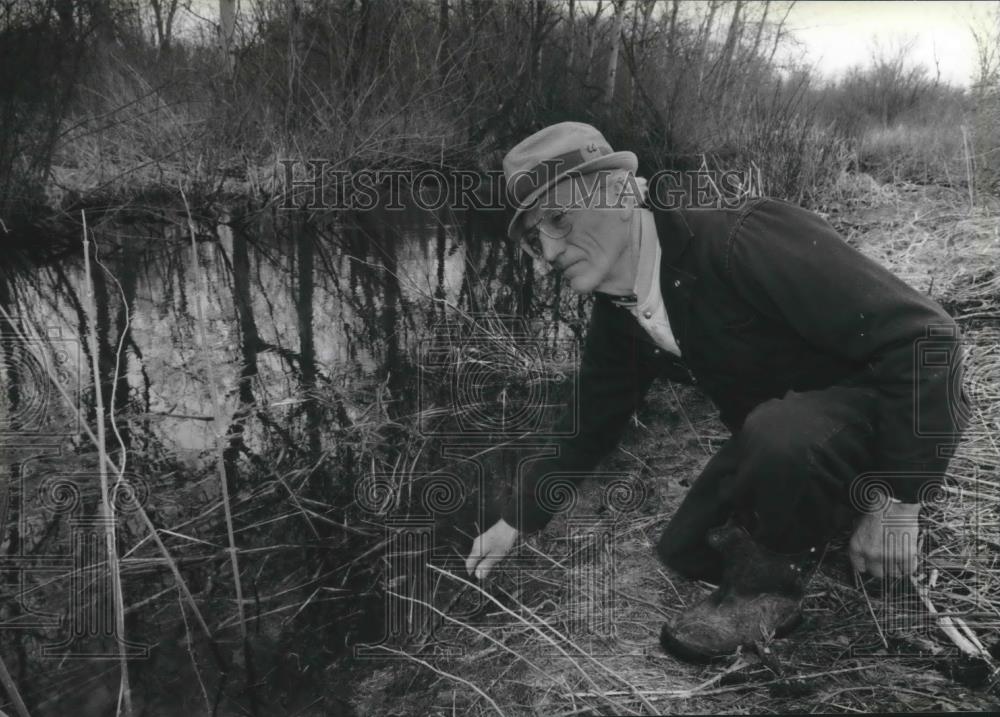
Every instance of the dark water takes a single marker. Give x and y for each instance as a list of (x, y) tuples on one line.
[(295, 356), (334, 298)]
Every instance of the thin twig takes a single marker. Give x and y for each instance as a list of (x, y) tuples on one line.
[(684, 694), (220, 433), (535, 627), (947, 626), (871, 610), (499, 643), (140, 510), (449, 676), (11, 688), (107, 500), (687, 419), (194, 661)]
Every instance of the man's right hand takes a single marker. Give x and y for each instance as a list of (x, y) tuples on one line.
[(490, 548)]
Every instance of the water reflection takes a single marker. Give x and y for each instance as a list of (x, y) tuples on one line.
[(284, 347), (290, 302)]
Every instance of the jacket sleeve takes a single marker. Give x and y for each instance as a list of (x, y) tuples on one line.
[(790, 263), (611, 382)]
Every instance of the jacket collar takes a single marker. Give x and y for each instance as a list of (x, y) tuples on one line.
[(676, 284), (674, 233)]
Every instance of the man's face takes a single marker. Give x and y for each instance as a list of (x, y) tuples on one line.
[(581, 234)]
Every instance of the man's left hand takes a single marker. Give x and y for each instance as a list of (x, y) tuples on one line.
[(885, 543)]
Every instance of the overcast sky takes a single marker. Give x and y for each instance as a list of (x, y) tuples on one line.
[(837, 35)]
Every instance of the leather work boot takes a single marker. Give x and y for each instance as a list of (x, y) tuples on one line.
[(760, 597)]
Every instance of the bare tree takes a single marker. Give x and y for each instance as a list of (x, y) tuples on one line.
[(294, 66), (986, 94), (672, 33), (636, 46), (760, 30), (729, 49), (227, 31), (616, 39), (987, 41), (592, 39), (571, 30), (896, 83), (779, 32), (443, 44), (539, 17), (703, 42), (164, 12)]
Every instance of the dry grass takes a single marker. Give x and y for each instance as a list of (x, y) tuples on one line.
[(923, 153), (950, 253), (543, 646)]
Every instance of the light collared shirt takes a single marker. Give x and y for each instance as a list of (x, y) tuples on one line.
[(649, 308)]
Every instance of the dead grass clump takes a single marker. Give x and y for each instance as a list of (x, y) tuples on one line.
[(851, 189), (926, 237), (950, 253), (915, 153)]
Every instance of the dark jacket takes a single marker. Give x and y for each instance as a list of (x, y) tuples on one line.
[(761, 300)]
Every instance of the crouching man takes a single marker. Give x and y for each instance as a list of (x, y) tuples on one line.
[(806, 347)]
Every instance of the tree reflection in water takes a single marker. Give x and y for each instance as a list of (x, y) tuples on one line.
[(313, 328)]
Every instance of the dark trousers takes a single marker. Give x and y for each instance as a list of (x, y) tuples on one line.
[(784, 476)]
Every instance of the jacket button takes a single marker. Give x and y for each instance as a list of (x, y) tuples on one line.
[(648, 314), (657, 352), (677, 282)]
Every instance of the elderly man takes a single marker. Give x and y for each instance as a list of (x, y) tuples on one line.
[(807, 348)]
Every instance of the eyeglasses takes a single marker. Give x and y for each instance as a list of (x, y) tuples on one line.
[(555, 223)]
